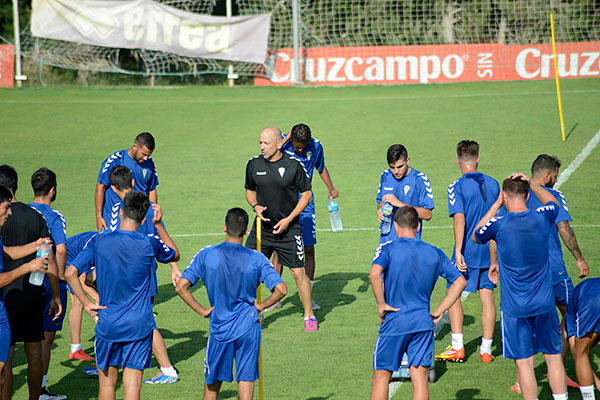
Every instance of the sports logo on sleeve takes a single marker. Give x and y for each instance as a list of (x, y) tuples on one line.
[(451, 194), (488, 224), (427, 184)]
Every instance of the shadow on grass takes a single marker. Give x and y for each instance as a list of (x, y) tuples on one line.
[(571, 131), (445, 331), (321, 397), (327, 292), (228, 394), (194, 342), (469, 394), (166, 292)]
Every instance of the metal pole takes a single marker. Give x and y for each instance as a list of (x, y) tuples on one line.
[(230, 75), (296, 29), (18, 76)]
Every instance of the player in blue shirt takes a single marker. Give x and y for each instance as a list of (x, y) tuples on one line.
[(528, 316), (138, 160), (43, 183), (469, 198), (299, 143), (13, 253), (121, 183), (401, 185), (124, 260), (231, 274), (403, 276), (583, 331), (75, 245)]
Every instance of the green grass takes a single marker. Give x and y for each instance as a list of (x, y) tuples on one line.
[(205, 137)]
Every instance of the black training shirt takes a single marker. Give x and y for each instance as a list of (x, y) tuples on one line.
[(277, 185), (23, 226)]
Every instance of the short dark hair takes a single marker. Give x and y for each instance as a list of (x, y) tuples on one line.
[(545, 162), (120, 177), (516, 186), (301, 134), (42, 181), (9, 177), (467, 150), (396, 152), (5, 194), (407, 217), (135, 206), (145, 139), (236, 222)]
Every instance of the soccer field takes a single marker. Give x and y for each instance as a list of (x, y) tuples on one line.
[(205, 137)]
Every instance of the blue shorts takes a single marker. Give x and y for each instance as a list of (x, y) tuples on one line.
[(49, 325), (477, 278), (389, 350), (308, 224), (563, 292), (218, 363), (525, 337), (136, 354), (4, 340)]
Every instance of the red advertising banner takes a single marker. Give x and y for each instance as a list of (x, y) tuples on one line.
[(7, 65), (432, 64)]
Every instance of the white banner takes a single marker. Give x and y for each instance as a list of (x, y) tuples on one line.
[(146, 24)]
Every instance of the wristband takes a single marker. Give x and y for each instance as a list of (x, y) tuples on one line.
[(253, 209)]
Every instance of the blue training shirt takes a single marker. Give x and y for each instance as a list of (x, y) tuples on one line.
[(411, 268), (557, 263), (76, 243), (55, 221), (231, 274), (144, 176), (472, 195), (124, 261), (526, 288), (414, 189), (312, 157)]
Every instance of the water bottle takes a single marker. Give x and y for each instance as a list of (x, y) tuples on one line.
[(386, 225), (334, 215), (37, 277)]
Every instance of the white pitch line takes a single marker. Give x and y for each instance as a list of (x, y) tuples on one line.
[(289, 100), (395, 385), (578, 160)]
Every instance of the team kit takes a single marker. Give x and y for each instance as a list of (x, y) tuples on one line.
[(503, 233)]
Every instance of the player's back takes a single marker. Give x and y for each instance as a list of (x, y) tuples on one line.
[(231, 276), (76, 243), (123, 261), (525, 274), (583, 311), (413, 267), (473, 195)]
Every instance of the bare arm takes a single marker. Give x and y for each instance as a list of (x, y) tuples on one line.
[(451, 296), (162, 232), (333, 194), (300, 206), (61, 260), (258, 209), (52, 275), (277, 294), (378, 291), (183, 290), (153, 196), (12, 253), (459, 237), (37, 264), (493, 271), (72, 276), (569, 239), (99, 203)]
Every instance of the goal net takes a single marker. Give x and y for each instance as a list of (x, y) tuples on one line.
[(367, 33)]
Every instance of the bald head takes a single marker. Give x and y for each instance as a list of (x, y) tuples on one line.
[(273, 132), (270, 139)]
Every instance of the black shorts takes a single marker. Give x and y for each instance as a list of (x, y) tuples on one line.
[(26, 319), (288, 245)]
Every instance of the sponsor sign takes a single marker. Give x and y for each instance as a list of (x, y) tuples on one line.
[(432, 64), (7, 65), (146, 24)]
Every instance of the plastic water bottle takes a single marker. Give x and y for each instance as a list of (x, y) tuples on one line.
[(334, 215), (37, 277), (386, 225)]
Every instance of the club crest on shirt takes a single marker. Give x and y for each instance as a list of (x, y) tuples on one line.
[(281, 171), (406, 189), (144, 172), (308, 154)]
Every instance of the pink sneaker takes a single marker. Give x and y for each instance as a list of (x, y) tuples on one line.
[(310, 324)]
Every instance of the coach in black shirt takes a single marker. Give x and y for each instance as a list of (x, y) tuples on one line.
[(25, 302), (278, 189)]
